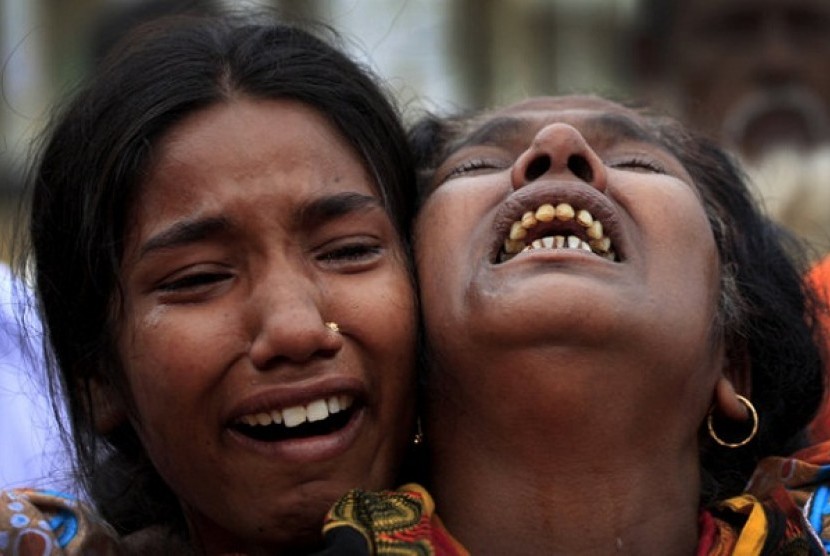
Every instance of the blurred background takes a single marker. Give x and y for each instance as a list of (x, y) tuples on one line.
[(753, 73), (442, 55)]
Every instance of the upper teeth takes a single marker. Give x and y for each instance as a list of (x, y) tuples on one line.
[(299, 414), (597, 242)]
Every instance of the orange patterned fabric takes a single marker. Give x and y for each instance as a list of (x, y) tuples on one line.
[(403, 522), (806, 479), (819, 279)]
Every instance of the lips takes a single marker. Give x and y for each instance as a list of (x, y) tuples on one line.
[(550, 219), (319, 417), (317, 411)]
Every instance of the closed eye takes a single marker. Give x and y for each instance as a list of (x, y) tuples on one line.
[(475, 165), (639, 164), (351, 255), (193, 281), (353, 252)]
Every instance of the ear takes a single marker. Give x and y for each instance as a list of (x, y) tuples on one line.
[(735, 379), (106, 407)]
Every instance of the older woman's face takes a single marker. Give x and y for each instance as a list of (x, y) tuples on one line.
[(566, 264), (257, 225)]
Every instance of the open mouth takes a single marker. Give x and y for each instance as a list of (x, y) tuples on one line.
[(560, 226), (317, 418)]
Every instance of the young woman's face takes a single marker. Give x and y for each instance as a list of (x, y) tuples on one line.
[(567, 266), (257, 225)]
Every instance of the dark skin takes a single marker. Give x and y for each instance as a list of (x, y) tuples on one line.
[(569, 355)]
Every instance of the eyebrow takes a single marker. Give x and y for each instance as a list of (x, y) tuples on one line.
[(492, 132), (623, 127), (499, 130), (312, 214), (334, 206), (188, 231)]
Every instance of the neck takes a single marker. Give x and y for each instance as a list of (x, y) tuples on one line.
[(509, 500)]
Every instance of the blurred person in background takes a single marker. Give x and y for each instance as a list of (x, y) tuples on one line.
[(754, 74), (117, 19), (30, 449)]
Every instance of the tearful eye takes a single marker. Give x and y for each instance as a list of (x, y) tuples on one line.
[(193, 281), (351, 252), (351, 255)]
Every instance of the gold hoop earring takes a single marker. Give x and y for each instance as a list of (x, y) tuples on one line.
[(418, 439), (333, 326), (745, 441)]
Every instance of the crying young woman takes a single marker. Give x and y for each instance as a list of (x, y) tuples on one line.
[(218, 227)]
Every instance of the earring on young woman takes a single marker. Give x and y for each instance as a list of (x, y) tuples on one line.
[(744, 441)]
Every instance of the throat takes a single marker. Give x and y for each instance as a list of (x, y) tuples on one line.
[(602, 510)]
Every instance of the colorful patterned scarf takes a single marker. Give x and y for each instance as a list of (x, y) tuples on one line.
[(403, 522)]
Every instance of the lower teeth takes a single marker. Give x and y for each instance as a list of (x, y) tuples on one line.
[(504, 257)]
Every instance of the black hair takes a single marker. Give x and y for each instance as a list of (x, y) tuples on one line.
[(768, 313), (767, 316), (89, 172)]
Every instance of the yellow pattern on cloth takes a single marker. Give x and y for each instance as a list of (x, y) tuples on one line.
[(47, 523), (754, 533), (403, 522), (806, 477), (400, 522)]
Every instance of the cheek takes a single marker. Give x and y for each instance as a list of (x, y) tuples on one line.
[(382, 310), (172, 356), (689, 245), (443, 246), (684, 273), (382, 316)]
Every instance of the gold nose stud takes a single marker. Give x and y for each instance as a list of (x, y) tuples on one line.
[(333, 326)]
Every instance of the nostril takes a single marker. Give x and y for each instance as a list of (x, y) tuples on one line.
[(581, 168), (537, 167)]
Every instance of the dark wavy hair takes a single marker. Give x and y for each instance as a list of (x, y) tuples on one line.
[(89, 172), (767, 315)]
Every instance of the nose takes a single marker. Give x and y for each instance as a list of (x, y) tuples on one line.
[(559, 150), (288, 325)]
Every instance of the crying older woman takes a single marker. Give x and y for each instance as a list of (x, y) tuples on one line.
[(617, 337)]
